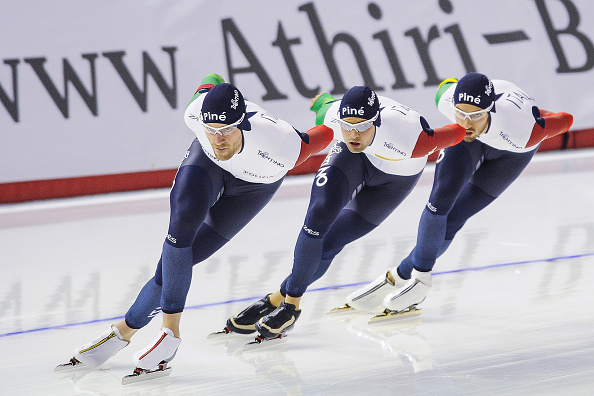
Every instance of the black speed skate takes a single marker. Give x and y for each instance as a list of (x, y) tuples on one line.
[(244, 322), (278, 322)]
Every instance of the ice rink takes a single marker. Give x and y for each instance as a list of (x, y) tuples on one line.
[(510, 311)]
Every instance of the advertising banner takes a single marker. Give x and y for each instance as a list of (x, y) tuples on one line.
[(93, 88)]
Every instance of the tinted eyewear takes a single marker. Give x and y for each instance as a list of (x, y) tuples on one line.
[(474, 115), (360, 126)]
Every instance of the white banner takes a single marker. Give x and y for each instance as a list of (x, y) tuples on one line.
[(94, 88)]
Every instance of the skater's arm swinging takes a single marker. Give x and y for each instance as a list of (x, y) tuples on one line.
[(320, 105), (313, 141), (547, 125), (206, 85), (431, 140)]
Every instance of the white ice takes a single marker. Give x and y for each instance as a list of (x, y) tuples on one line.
[(510, 311)]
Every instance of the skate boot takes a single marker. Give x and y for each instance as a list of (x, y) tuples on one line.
[(97, 352), (244, 322), (278, 322), (371, 296), (414, 294), (151, 362), (162, 349)]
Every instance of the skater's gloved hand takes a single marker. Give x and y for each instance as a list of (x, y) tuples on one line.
[(426, 128)]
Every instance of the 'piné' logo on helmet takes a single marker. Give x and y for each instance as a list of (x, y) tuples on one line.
[(213, 117), (371, 99), (465, 98), (235, 101), (349, 111)]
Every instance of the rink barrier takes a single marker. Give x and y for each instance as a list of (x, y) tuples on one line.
[(35, 190), (252, 298)]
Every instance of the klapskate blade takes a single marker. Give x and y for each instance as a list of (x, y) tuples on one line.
[(264, 343), (220, 337), (70, 366), (388, 316), (78, 367), (345, 309), (219, 334), (150, 375), (227, 332)]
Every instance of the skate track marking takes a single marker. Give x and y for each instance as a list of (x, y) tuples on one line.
[(486, 267)]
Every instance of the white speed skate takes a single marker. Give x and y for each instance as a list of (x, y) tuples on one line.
[(151, 361), (413, 294), (371, 296), (98, 351)]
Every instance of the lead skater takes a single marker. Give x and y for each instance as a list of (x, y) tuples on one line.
[(222, 183)]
